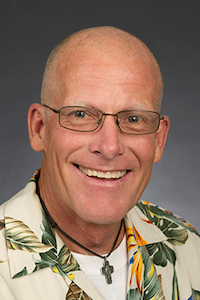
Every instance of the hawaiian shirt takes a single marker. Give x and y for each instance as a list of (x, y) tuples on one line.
[(163, 255)]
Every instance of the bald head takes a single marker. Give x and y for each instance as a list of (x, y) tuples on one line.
[(99, 42)]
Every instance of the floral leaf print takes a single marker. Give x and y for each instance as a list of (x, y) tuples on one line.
[(177, 237), (133, 294), (162, 253), (159, 217), (66, 261), (48, 237), (168, 224), (2, 224), (21, 273), (62, 262), (20, 237), (75, 293), (175, 290), (39, 265), (136, 260), (195, 295), (48, 259), (151, 286)]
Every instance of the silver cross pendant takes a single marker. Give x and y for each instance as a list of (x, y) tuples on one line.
[(107, 270)]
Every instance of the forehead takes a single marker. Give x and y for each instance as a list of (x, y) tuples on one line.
[(96, 72)]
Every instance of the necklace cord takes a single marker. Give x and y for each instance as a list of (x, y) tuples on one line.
[(55, 225)]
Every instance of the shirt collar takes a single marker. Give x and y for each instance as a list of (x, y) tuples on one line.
[(24, 224), (145, 232)]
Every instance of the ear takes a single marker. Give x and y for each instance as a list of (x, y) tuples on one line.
[(161, 137), (36, 126)]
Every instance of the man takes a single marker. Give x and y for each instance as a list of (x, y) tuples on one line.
[(79, 230)]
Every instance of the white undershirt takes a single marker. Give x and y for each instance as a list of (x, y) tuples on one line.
[(91, 266)]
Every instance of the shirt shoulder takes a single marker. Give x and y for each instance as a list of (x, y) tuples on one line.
[(163, 218)]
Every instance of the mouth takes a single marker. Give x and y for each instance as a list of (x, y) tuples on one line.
[(103, 175)]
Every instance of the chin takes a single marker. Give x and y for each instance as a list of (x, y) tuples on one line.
[(105, 217)]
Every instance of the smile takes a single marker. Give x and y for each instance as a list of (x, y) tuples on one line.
[(102, 175)]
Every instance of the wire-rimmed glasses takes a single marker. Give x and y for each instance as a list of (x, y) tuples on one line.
[(84, 119)]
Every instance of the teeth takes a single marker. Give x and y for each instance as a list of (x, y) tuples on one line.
[(99, 174)]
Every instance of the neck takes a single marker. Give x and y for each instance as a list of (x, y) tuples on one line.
[(97, 237)]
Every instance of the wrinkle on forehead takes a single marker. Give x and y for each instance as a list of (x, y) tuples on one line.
[(100, 48)]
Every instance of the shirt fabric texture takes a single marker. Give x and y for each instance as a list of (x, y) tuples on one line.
[(163, 253)]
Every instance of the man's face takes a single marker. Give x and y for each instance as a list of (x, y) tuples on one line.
[(110, 86)]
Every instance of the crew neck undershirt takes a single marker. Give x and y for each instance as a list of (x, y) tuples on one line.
[(91, 265)]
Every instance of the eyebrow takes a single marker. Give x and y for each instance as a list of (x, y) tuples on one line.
[(78, 102), (83, 103), (137, 106)]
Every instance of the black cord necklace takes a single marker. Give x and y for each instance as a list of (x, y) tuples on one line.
[(106, 270)]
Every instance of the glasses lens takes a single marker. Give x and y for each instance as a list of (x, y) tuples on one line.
[(79, 118), (138, 122)]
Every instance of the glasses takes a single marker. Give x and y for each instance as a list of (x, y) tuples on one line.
[(84, 119)]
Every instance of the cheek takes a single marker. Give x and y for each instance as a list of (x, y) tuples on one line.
[(144, 150), (62, 143), (62, 147)]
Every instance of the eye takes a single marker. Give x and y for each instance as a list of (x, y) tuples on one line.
[(134, 119), (80, 114)]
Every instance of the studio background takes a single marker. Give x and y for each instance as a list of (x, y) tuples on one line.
[(170, 28)]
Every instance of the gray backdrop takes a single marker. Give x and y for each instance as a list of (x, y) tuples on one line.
[(29, 31)]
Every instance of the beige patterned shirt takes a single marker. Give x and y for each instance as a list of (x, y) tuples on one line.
[(163, 255)]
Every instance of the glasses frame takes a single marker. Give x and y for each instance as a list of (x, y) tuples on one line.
[(100, 122)]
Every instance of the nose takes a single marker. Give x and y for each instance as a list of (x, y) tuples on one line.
[(108, 139)]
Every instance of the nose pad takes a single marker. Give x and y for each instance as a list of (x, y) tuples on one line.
[(117, 123), (100, 122)]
